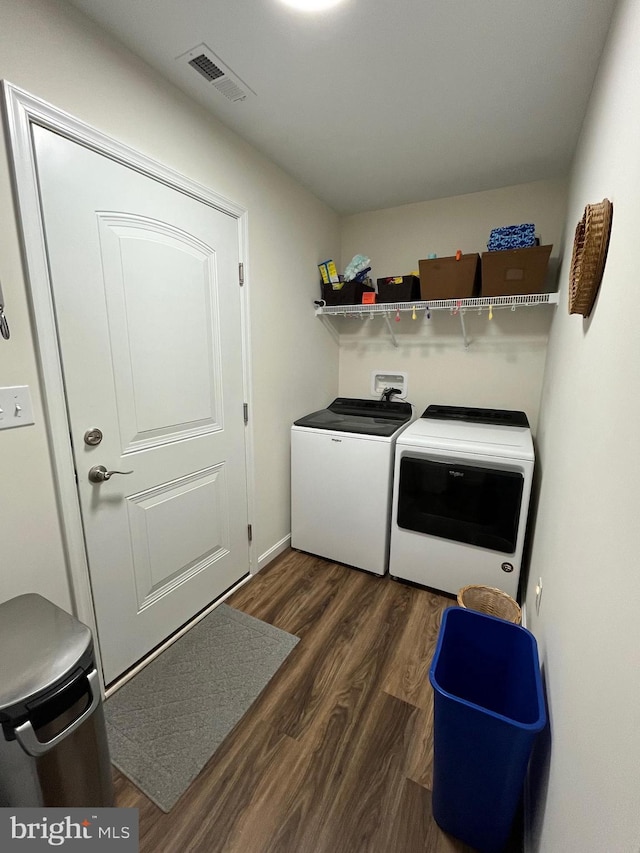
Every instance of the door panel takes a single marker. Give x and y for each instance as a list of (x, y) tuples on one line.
[(140, 260), (177, 530), (147, 303)]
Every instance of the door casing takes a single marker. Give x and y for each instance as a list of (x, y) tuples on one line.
[(21, 110)]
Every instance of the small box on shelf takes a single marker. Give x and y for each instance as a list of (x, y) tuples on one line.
[(401, 288), (349, 294), (450, 278)]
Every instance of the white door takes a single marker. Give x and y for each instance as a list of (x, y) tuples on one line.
[(147, 304)]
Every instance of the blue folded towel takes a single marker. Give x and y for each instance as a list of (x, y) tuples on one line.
[(512, 237)]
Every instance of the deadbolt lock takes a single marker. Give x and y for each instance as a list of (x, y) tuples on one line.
[(93, 437)]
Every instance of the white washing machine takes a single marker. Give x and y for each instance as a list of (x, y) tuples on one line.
[(461, 498), (342, 480)]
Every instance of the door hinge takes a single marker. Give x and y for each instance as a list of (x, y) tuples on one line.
[(241, 273), (250, 532), (245, 412)]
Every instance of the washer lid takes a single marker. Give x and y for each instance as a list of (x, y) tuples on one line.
[(504, 417), (468, 437), (40, 647), (361, 417)]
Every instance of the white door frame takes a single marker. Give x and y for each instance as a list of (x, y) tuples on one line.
[(21, 111)]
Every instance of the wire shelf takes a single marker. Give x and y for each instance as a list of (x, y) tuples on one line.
[(478, 302), (457, 307)]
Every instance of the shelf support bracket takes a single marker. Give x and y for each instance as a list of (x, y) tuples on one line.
[(390, 328), (464, 330), (330, 327)]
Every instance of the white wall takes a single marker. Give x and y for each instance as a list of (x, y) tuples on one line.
[(54, 52), (504, 364), (587, 538)]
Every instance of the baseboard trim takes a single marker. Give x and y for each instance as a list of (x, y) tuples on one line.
[(273, 552)]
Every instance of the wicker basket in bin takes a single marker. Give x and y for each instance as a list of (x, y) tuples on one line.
[(488, 599)]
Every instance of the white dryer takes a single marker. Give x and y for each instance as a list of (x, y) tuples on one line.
[(341, 480), (461, 498)]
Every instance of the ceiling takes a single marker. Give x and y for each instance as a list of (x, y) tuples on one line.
[(375, 104)]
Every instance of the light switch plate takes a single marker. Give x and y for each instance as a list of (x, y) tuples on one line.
[(15, 407)]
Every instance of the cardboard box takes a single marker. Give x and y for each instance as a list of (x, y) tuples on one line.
[(402, 288), (514, 272), (447, 278), (349, 294)]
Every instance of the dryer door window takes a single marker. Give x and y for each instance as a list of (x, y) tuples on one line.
[(479, 506)]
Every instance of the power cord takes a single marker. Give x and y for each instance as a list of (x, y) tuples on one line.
[(388, 393)]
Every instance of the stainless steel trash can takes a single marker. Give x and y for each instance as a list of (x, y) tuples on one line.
[(53, 743)]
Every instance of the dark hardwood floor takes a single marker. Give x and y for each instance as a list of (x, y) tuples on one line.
[(335, 756)]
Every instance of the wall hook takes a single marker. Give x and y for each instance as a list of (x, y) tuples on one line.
[(4, 324)]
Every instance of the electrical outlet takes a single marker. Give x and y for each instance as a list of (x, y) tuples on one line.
[(15, 407)]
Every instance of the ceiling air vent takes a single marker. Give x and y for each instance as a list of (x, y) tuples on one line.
[(206, 67), (203, 60)]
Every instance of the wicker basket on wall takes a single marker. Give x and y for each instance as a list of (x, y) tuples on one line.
[(488, 599), (590, 247)]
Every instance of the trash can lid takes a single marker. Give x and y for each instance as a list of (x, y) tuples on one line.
[(41, 645)]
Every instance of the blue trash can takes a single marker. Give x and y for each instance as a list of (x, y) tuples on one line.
[(488, 709)]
